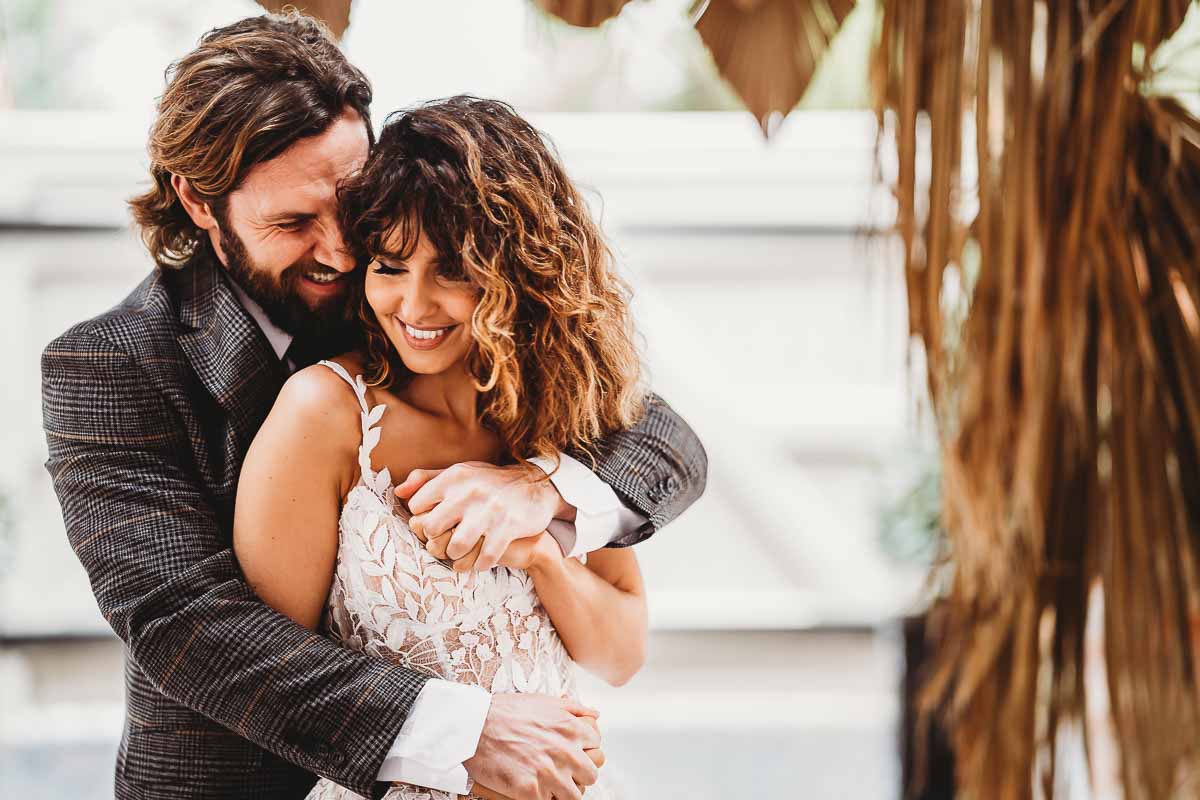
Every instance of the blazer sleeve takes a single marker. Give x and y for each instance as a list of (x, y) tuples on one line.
[(168, 583), (658, 467)]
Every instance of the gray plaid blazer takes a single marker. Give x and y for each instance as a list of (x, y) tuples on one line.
[(148, 411)]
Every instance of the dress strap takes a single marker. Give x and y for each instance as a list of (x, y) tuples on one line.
[(378, 482), (360, 389)]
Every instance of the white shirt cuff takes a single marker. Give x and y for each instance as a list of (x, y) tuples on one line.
[(441, 732), (600, 516)]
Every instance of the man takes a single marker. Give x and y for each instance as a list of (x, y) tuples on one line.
[(149, 410)]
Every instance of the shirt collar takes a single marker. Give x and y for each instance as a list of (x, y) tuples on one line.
[(279, 339)]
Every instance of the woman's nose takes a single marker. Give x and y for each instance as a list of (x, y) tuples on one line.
[(417, 304)]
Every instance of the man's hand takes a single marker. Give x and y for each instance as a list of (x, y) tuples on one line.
[(537, 747), (595, 754), (488, 507)]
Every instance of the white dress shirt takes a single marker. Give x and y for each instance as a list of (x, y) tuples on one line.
[(442, 730)]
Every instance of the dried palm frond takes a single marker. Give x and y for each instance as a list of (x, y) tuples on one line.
[(768, 50), (583, 13), (1070, 414), (334, 13)]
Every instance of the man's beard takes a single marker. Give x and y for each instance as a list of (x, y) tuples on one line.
[(328, 327)]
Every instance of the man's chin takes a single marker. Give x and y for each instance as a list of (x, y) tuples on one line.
[(320, 306)]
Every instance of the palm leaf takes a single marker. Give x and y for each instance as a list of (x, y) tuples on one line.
[(1070, 421), (768, 50), (583, 13)]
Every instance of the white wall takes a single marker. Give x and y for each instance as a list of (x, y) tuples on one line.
[(770, 323)]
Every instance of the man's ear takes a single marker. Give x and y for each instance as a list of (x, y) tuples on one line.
[(200, 211)]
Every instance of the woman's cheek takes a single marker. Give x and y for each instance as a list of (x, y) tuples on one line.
[(378, 294)]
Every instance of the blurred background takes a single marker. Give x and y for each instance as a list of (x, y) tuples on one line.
[(772, 316)]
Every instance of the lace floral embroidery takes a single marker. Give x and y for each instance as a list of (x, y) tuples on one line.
[(392, 599)]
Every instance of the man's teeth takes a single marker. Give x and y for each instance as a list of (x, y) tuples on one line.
[(323, 277), (419, 334)]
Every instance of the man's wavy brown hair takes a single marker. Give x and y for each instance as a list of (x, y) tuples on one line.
[(554, 355), (247, 93)]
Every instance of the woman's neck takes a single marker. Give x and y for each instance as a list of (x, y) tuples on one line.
[(449, 395)]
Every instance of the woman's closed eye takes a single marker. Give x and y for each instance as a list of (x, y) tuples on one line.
[(381, 268)]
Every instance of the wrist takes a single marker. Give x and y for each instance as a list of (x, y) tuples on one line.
[(547, 556), (559, 507), (562, 509)]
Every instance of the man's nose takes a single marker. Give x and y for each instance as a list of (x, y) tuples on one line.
[(332, 251)]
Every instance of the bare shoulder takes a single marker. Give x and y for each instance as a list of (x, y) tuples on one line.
[(314, 390), (319, 405)]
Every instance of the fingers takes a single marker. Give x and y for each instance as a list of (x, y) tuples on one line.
[(441, 519), (415, 480), (584, 772), (469, 532), (465, 539), (597, 756), (589, 732), (569, 790), (578, 709), (493, 550), (437, 546), (467, 562), (432, 488)]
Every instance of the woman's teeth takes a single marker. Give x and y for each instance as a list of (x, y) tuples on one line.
[(419, 334), (323, 277)]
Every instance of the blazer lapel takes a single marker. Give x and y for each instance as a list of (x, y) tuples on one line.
[(228, 351)]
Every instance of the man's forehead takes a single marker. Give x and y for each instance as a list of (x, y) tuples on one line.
[(307, 173)]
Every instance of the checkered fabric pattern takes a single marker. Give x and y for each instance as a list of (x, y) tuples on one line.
[(657, 467), (148, 412)]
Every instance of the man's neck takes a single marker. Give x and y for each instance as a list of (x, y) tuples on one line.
[(277, 337)]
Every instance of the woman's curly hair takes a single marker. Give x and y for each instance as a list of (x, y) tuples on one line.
[(554, 355)]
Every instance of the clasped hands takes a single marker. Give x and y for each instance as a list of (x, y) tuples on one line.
[(479, 515)]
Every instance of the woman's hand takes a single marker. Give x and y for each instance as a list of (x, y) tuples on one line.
[(533, 552), (523, 554)]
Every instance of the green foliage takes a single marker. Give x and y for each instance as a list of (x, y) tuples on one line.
[(911, 529)]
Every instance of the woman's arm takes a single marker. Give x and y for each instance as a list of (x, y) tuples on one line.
[(599, 610), (285, 529)]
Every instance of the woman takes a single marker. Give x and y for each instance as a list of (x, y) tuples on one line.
[(495, 331)]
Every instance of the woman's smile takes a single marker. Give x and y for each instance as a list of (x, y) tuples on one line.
[(424, 338)]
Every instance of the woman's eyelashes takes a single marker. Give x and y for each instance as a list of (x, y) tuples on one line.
[(444, 273), (385, 269)]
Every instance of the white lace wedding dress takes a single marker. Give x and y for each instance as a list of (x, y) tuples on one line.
[(391, 598)]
